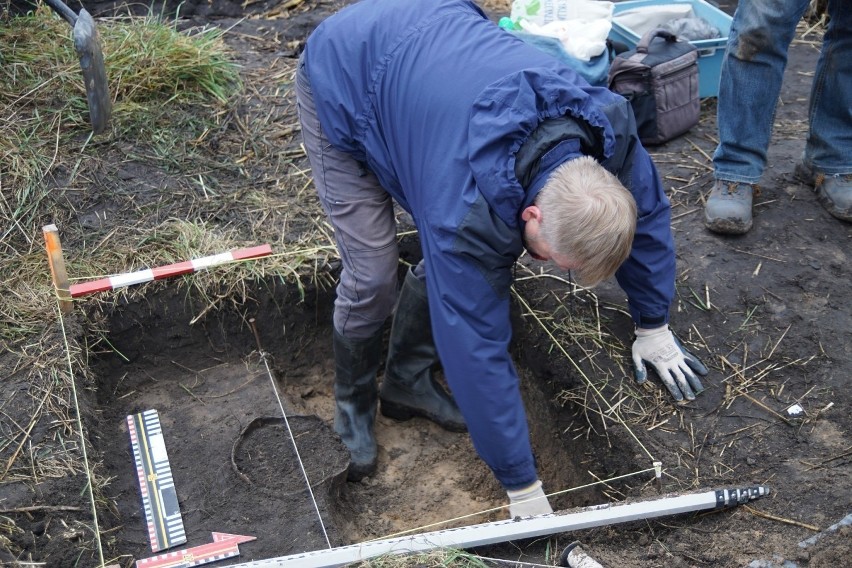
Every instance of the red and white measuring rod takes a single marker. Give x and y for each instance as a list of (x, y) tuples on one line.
[(168, 271)]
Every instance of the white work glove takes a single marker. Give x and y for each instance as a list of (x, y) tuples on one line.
[(675, 365), (528, 501)]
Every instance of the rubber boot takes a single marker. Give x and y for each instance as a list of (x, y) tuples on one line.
[(355, 397), (408, 388), (728, 208)]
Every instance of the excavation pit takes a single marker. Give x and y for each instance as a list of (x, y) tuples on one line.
[(234, 466)]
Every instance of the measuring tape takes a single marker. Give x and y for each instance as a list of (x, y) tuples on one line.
[(514, 529)]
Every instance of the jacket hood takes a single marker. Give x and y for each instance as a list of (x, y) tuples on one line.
[(503, 117)]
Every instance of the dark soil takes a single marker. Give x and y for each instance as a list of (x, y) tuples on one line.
[(768, 312)]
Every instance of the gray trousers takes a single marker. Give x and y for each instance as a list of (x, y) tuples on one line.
[(362, 215)]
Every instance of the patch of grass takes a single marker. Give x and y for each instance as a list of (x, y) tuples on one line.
[(152, 61), (158, 78), (436, 559), (175, 98)]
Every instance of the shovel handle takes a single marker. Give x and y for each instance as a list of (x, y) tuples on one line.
[(63, 10)]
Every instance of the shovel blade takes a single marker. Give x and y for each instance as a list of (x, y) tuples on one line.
[(87, 43)]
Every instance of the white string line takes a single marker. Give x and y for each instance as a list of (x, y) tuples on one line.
[(82, 436), (494, 509), (295, 448), (588, 381)]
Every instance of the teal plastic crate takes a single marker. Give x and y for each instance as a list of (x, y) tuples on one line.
[(710, 51)]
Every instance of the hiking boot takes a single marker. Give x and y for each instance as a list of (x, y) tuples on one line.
[(355, 397), (833, 191), (728, 209), (408, 388)]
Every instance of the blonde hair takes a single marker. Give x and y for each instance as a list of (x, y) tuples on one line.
[(588, 216)]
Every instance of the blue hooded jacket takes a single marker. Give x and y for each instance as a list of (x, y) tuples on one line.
[(462, 123)]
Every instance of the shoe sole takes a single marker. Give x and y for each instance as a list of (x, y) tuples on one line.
[(833, 210), (402, 413), (728, 226)]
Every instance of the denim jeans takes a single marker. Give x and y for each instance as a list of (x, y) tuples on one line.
[(362, 214), (750, 85)]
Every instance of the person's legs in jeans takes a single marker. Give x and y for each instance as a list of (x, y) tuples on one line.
[(361, 212), (749, 86), (827, 161)]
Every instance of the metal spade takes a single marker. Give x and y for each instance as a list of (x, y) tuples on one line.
[(87, 43)]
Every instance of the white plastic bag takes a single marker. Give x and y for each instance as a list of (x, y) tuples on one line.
[(541, 12), (581, 26), (581, 39)]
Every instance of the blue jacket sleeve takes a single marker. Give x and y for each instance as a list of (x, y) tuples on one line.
[(648, 274), (468, 286)]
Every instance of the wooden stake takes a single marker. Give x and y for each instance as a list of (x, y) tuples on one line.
[(57, 267)]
